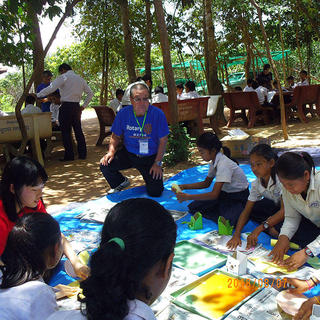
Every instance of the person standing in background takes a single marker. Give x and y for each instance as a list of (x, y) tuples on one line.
[(71, 87), (46, 80)]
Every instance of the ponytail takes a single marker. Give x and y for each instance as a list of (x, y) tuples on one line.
[(292, 165), (146, 234)]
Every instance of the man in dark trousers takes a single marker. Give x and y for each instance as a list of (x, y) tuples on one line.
[(144, 131), (71, 87)]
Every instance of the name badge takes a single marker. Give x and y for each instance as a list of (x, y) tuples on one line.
[(143, 146)]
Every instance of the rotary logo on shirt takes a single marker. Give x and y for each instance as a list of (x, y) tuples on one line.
[(147, 128)]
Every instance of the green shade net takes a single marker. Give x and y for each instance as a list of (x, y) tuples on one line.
[(231, 61)]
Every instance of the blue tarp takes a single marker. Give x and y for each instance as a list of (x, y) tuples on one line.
[(71, 225)]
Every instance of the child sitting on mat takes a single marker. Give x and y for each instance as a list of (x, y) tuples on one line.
[(263, 204), (301, 199), (230, 191), (132, 265), (34, 246), (22, 182)]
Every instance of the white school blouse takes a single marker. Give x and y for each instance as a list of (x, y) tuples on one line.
[(295, 206), (271, 192), (138, 310), (227, 171), (33, 300)]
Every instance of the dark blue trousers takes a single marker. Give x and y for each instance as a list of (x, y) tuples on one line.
[(228, 205)]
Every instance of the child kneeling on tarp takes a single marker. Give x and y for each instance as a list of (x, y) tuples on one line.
[(230, 190)]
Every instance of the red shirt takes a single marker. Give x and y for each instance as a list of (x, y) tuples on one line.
[(6, 225)]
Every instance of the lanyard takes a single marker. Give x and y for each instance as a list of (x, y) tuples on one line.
[(144, 119)]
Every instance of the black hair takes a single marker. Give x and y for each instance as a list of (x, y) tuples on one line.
[(64, 67), (29, 242), (237, 88), (275, 82), (265, 151), (149, 234), (290, 78), (30, 99), (138, 86), (292, 165), (209, 141), (47, 73), (190, 85), (304, 72), (119, 91), (20, 171), (55, 94), (250, 81), (158, 89), (266, 66), (147, 77), (138, 79), (255, 84), (180, 85)]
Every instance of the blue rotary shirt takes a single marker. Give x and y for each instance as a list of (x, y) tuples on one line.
[(155, 128), (45, 106)]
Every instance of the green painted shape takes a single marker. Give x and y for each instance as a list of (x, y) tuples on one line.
[(224, 227), (196, 258)]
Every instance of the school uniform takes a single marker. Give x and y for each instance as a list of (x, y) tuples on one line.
[(262, 93), (266, 199), (32, 300), (138, 310), (302, 217), (248, 89), (234, 193), (189, 95), (305, 82)]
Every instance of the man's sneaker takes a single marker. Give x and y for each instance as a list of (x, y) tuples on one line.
[(120, 187)]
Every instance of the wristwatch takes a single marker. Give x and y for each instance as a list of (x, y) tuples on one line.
[(159, 163), (308, 252), (265, 225)]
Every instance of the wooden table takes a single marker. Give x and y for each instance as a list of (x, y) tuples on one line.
[(38, 125)]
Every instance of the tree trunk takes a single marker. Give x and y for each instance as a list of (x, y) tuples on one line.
[(128, 47), (165, 48), (102, 99), (37, 69), (38, 57), (276, 74), (282, 48), (106, 71), (214, 85), (147, 57)]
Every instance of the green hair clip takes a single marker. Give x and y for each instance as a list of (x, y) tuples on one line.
[(119, 241)]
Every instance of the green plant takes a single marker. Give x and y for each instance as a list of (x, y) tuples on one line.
[(178, 146)]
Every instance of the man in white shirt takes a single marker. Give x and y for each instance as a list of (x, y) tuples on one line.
[(248, 87), (303, 78), (115, 104), (159, 95), (190, 89), (29, 106), (71, 87), (262, 93)]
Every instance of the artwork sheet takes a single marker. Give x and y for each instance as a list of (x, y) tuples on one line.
[(215, 295)]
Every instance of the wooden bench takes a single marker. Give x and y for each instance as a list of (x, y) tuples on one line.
[(303, 96), (193, 110), (106, 117), (38, 125), (242, 101)]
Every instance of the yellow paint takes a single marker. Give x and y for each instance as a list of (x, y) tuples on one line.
[(269, 267), (218, 294)]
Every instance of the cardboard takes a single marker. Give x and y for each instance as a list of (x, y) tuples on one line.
[(195, 222), (241, 145)]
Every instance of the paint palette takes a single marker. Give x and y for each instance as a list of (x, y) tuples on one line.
[(215, 295), (197, 259)]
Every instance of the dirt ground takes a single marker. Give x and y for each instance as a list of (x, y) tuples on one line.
[(81, 180)]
